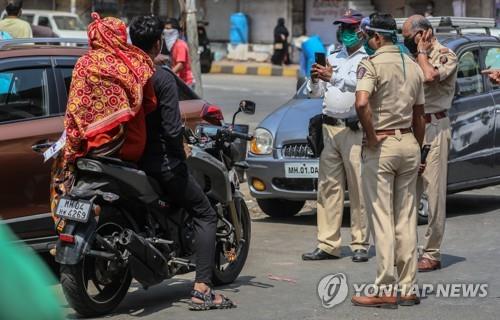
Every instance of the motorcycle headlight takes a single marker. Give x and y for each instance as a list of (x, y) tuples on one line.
[(262, 143)]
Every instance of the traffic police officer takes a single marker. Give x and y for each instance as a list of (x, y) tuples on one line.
[(390, 106), (439, 66), (340, 158)]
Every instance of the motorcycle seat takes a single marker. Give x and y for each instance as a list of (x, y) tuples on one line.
[(116, 161)]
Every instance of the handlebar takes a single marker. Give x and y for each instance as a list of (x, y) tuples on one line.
[(226, 134), (240, 135)]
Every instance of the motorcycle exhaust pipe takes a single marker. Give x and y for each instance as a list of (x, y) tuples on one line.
[(147, 263)]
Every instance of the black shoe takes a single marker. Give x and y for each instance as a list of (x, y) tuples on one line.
[(360, 255), (318, 254)]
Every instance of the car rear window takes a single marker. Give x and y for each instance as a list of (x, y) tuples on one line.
[(69, 23), (28, 18)]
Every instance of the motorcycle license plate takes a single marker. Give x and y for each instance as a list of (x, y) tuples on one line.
[(77, 210), (301, 169)]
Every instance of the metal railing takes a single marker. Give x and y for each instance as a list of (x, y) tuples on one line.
[(48, 41)]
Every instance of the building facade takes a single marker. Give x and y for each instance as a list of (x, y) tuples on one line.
[(303, 17)]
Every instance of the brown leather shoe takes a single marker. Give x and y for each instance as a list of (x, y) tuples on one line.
[(426, 265), (409, 300), (389, 302)]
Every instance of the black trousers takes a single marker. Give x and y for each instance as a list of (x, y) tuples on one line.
[(183, 190)]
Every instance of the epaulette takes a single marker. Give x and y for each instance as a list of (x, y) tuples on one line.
[(331, 53)]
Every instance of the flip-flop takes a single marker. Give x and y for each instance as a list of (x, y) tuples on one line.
[(208, 301)]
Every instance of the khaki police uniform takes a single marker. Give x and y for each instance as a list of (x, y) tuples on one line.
[(390, 170), (438, 99), (340, 160)]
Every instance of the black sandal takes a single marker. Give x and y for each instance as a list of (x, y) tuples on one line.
[(208, 301)]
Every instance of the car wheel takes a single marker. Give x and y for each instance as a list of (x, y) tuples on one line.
[(423, 210), (280, 208)]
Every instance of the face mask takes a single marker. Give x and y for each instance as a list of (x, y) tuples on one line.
[(368, 49), (171, 35), (349, 38), (411, 45)]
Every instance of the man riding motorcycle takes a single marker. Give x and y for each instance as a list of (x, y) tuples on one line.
[(164, 158)]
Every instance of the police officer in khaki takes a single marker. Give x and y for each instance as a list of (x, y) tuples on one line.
[(340, 160), (390, 105), (439, 66)]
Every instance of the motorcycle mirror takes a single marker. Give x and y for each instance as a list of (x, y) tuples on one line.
[(247, 106), (212, 114)]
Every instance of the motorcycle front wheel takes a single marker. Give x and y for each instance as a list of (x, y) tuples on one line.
[(96, 286), (231, 256)]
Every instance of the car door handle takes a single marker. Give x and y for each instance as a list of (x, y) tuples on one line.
[(42, 145)]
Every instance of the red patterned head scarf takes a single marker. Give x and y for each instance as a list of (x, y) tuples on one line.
[(107, 84)]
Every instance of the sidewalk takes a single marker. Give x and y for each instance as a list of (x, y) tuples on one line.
[(254, 68)]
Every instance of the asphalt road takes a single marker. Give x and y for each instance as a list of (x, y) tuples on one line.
[(276, 284), (227, 91)]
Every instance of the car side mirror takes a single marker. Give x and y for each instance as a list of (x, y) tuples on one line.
[(247, 106)]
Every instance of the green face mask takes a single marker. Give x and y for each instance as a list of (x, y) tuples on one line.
[(368, 49), (349, 38)]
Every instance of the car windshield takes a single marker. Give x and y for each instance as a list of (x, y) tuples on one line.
[(69, 23), (28, 18)]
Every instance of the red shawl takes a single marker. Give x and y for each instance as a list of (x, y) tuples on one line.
[(107, 85)]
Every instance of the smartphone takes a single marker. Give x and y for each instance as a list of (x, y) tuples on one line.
[(320, 58), (424, 152)]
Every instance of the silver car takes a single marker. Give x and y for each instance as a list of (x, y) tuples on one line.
[(283, 172)]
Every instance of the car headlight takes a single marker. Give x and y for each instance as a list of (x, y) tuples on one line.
[(262, 143)]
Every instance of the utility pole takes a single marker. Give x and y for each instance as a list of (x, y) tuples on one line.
[(189, 7)]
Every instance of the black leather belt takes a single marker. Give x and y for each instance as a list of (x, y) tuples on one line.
[(352, 123)]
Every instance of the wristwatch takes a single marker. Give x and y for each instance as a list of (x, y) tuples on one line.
[(422, 52)]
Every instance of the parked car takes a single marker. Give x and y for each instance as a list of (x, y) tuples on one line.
[(34, 82), (283, 172), (64, 24)]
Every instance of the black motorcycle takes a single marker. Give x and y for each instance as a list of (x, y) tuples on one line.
[(118, 224)]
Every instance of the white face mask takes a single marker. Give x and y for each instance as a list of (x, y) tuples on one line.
[(170, 35)]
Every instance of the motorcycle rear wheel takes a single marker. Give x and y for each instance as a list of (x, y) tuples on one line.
[(226, 272), (95, 287)]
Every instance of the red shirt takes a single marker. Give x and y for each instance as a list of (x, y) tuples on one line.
[(180, 54)]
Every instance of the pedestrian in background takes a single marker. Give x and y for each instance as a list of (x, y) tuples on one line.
[(439, 66), (281, 34), (341, 156), (390, 105), (13, 24), (180, 60)]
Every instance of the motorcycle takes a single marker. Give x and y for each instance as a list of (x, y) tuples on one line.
[(118, 225)]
